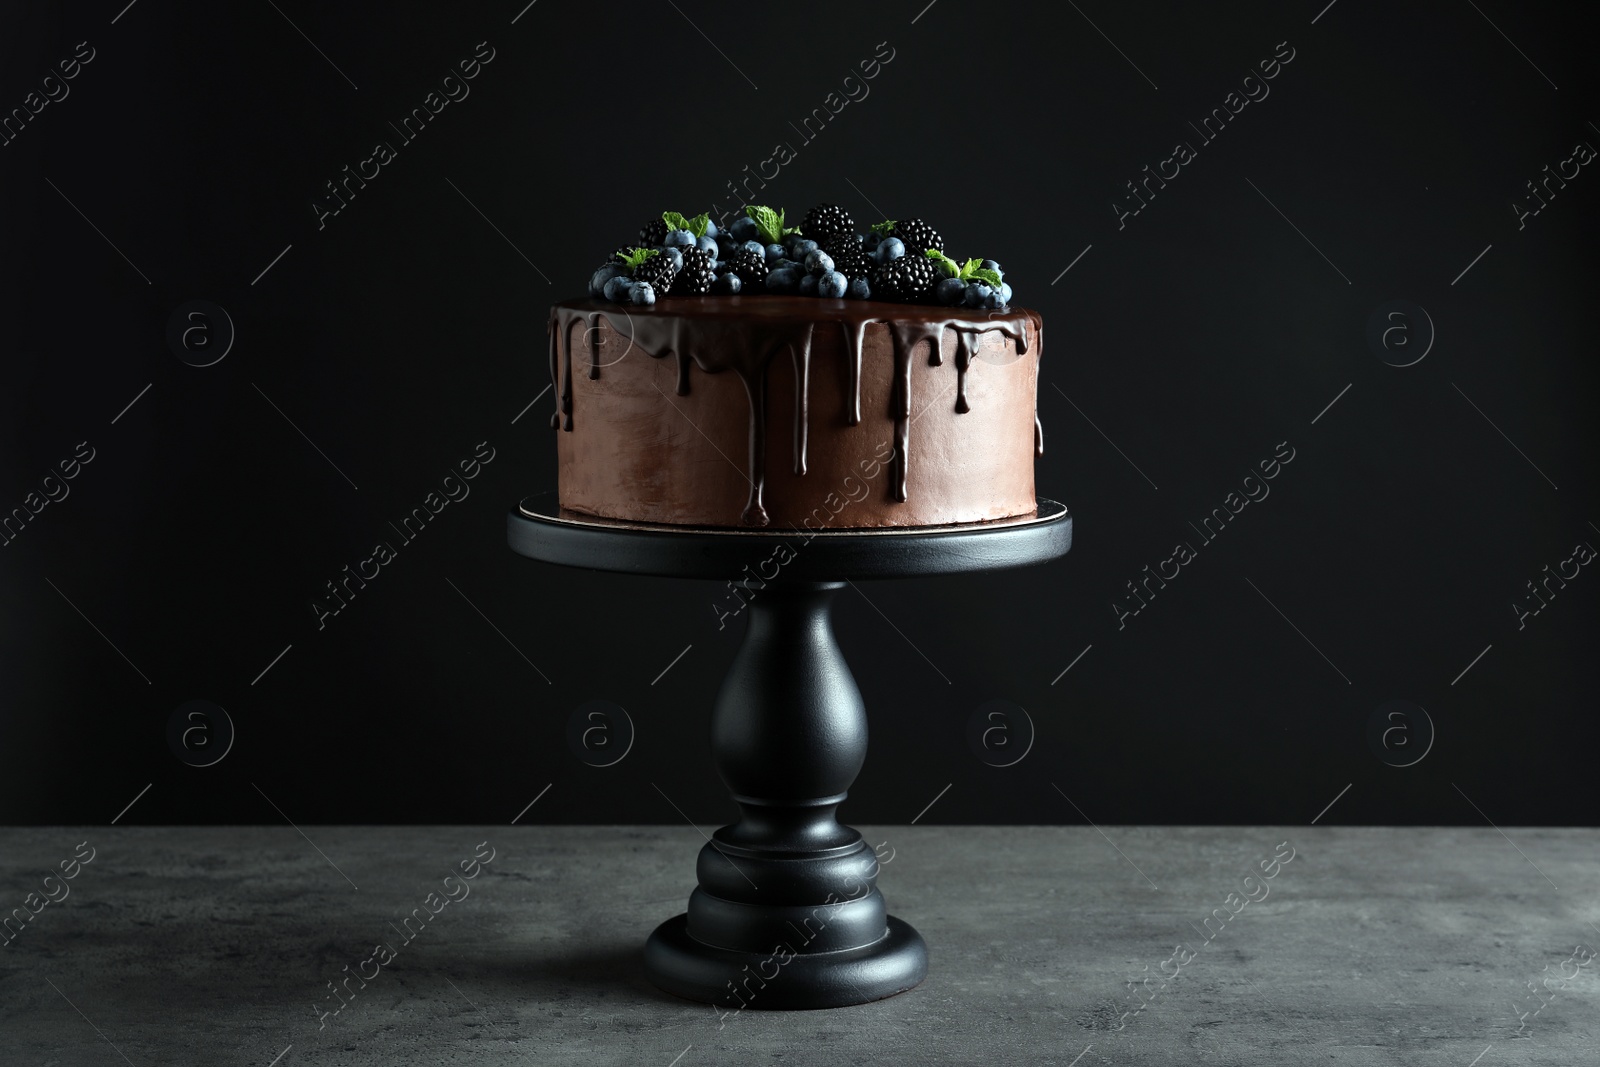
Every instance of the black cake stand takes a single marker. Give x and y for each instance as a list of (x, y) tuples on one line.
[(787, 914)]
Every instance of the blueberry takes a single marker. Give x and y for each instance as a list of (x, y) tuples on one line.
[(950, 292), (725, 245), (757, 247), (775, 254), (643, 294), (976, 295), (990, 264), (616, 288), (888, 248), (742, 229), (808, 285), (993, 300), (676, 255), (802, 248), (707, 244), (859, 289), (679, 239), (783, 280), (1005, 294), (832, 284), (871, 241), (598, 280), (818, 262), (711, 230), (728, 284), (791, 240), (721, 268)]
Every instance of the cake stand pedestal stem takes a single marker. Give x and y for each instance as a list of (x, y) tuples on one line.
[(788, 912)]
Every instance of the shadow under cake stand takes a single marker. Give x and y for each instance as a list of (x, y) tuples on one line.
[(787, 914)]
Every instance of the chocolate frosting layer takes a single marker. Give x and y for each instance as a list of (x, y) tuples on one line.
[(744, 334)]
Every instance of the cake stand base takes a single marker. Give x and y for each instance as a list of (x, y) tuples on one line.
[(787, 914)]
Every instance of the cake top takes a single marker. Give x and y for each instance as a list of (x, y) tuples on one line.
[(897, 260)]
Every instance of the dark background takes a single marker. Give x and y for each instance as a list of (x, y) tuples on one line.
[(408, 330)]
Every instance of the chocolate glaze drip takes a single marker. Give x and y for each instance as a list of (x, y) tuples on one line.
[(743, 334)]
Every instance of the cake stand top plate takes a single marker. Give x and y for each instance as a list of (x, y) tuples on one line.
[(537, 528)]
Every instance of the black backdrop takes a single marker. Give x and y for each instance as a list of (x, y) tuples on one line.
[(1185, 343)]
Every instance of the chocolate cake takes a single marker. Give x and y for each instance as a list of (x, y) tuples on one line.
[(735, 404)]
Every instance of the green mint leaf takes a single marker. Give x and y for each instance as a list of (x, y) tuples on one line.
[(634, 257), (675, 221), (946, 265), (787, 230), (883, 228), (987, 276), (769, 223), (697, 225)]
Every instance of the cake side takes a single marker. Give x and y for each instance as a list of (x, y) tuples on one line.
[(765, 410)]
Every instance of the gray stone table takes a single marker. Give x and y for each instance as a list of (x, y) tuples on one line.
[(1370, 946)]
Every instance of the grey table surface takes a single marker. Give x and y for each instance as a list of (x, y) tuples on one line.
[(1370, 946)]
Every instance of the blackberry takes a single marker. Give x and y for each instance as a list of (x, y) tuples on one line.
[(840, 243), (917, 236), (853, 263), (749, 265), (827, 220), (696, 276), (652, 233), (657, 271), (621, 255), (905, 278)]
